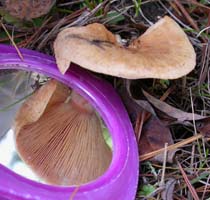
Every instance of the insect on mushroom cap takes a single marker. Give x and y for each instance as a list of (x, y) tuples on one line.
[(163, 51)]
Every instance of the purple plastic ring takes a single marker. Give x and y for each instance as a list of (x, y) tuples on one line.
[(119, 182)]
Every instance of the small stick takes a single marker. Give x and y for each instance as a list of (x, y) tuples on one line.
[(162, 182), (74, 193), (16, 36), (167, 93), (194, 2), (186, 14), (11, 39), (32, 37), (171, 147), (189, 185), (195, 130), (205, 188)]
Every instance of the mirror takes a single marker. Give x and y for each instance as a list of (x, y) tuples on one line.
[(73, 159)]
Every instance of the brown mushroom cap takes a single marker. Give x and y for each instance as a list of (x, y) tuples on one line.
[(163, 51)]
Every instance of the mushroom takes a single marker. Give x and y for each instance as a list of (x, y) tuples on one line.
[(163, 51), (59, 135)]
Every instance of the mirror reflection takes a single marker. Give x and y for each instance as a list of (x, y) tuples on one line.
[(50, 133)]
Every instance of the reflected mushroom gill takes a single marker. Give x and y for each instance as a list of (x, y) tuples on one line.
[(61, 138)]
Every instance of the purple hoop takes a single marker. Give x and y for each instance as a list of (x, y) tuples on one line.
[(119, 182)]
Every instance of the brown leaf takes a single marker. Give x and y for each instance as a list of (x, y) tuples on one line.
[(137, 109), (168, 192), (204, 127), (171, 111), (133, 106), (27, 9), (154, 136)]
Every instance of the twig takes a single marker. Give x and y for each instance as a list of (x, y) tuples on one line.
[(74, 193), (16, 36), (193, 112), (189, 185), (174, 17), (139, 124), (162, 182), (194, 2), (83, 19), (205, 188), (11, 39), (171, 147), (167, 93), (205, 62), (32, 37), (205, 29), (186, 14), (70, 3)]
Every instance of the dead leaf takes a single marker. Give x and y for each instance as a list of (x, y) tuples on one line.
[(138, 110), (171, 111), (168, 192), (204, 127), (130, 103), (142, 103), (154, 136), (27, 9), (133, 106)]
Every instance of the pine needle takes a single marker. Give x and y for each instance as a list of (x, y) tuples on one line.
[(13, 42), (171, 147)]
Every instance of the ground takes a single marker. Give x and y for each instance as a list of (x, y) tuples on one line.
[(184, 173)]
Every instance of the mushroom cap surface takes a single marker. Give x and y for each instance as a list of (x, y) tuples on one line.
[(163, 51)]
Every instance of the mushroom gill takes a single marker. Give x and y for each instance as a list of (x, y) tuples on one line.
[(63, 144)]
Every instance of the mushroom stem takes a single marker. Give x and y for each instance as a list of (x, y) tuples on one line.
[(65, 146), (80, 103)]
